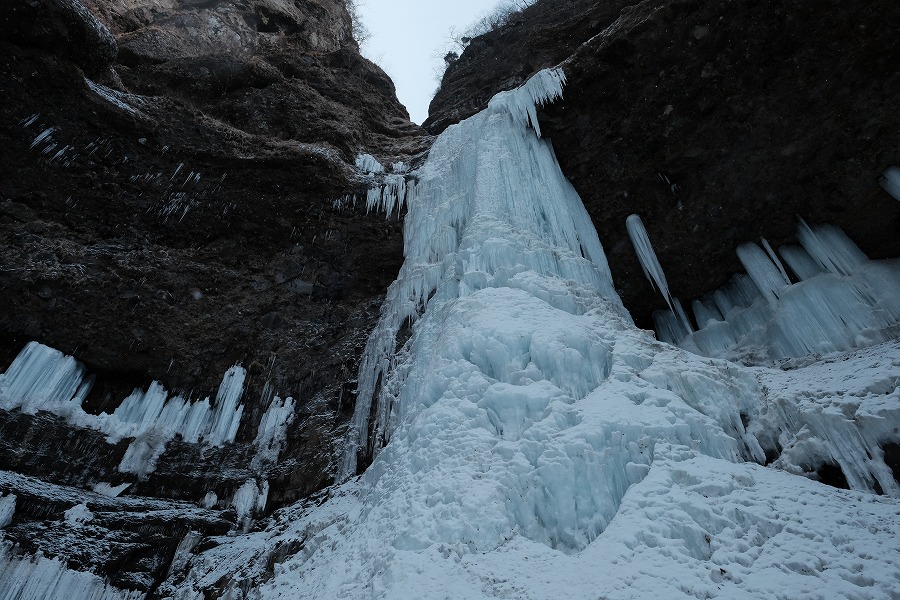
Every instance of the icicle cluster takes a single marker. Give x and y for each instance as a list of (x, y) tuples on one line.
[(42, 378), (842, 300), (388, 192)]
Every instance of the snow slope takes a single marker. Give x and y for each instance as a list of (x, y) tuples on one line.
[(532, 443)]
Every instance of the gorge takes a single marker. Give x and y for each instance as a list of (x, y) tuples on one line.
[(265, 338)]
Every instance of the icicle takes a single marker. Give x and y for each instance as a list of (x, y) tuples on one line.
[(652, 269), (41, 378), (704, 312), (768, 248), (41, 137), (831, 248), (890, 181), (767, 277), (368, 164), (800, 262)]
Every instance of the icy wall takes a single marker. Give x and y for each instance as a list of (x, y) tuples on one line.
[(530, 442)]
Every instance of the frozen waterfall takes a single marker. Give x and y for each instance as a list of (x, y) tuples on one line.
[(530, 442)]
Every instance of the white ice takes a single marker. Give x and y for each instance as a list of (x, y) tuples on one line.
[(78, 515), (530, 442)]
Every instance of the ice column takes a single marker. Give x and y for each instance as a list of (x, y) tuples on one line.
[(653, 271), (476, 193)]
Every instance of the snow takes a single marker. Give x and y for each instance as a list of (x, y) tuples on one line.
[(38, 578), (531, 443), (105, 489), (78, 515), (891, 181)]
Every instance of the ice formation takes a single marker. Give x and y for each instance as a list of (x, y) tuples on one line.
[(7, 509), (105, 489), (530, 442), (890, 181), (270, 436), (653, 271), (841, 301), (42, 378), (39, 578)]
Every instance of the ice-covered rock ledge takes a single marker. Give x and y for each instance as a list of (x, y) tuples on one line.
[(530, 442)]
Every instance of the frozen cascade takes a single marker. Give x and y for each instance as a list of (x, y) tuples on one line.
[(39, 578), (653, 271), (535, 444), (842, 301)]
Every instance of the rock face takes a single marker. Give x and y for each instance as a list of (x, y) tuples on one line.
[(718, 123), (171, 206)]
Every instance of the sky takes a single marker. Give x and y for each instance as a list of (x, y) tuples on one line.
[(409, 39)]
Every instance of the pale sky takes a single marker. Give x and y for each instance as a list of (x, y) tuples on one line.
[(409, 39)]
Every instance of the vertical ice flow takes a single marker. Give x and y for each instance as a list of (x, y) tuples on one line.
[(653, 271), (471, 198)]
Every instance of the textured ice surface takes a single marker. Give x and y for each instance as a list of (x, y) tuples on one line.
[(78, 515), (270, 437), (39, 578), (535, 444)]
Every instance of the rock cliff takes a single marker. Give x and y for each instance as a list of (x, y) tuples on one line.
[(171, 206)]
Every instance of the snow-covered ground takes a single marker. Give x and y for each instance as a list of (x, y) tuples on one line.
[(532, 443)]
